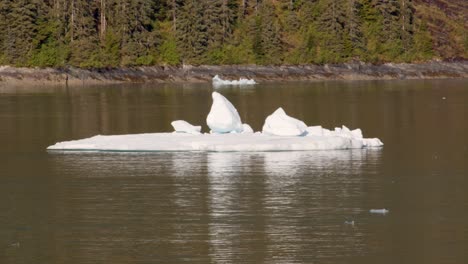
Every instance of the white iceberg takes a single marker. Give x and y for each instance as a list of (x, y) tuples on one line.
[(207, 142), (379, 211), (280, 124), (217, 81), (182, 126), (280, 133), (223, 116)]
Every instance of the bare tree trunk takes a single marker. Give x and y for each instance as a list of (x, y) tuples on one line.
[(174, 17), (225, 19), (403, 14), (103, 19), (57, 8), (72, 20), (243, 8)]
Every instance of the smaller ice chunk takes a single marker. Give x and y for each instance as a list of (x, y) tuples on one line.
[(372, 142), (246, 128), (315, 131), (326, 132), (343, 131), (379, 211), (217, 81), (182, 126), (280, 124), (223, 116), (357, 133)]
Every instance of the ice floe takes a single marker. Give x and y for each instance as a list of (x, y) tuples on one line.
[(207, 142), (217, 81), (280, 133)]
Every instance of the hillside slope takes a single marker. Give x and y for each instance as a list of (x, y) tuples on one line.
[(447, 21), (121, 33)]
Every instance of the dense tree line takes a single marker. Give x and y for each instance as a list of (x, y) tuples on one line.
[(112, 33)]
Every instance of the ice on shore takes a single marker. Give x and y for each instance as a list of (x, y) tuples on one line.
[(217, 81), (223, 116), (182, 126), (280, 133), (280, 124)]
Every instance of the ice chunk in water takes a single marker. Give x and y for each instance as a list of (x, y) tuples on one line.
[(280, 124), (223, 116), (217, 81), (379, 211), (185, 127)]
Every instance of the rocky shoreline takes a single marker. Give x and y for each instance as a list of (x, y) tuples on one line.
[(169, 74)]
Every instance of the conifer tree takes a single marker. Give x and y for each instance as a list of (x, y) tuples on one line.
[(331, 23), (268, 46), (20, 28), (192, 31)]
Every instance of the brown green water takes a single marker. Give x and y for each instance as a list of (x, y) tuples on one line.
[(277, 207)]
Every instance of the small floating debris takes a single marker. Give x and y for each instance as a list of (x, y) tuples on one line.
[(349, 222), (217, 81), (16, 244), (379, 211)]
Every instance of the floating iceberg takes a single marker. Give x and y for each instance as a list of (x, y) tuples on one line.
[(217, 81), (223, 116), (185, 127), (280, 133), (209, 142), (379, 211)]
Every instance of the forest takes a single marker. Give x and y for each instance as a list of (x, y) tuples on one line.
[(126, 33)]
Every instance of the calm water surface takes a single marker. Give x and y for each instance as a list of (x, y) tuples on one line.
[(276, 207)]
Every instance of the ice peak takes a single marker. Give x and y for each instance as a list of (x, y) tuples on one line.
[(223, 116)]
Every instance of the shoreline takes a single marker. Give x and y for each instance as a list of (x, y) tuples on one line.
[(12, 76)]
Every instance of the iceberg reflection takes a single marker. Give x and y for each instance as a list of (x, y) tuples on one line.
[(273, 207)]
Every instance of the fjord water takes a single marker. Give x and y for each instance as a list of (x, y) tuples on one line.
[(274, 207)]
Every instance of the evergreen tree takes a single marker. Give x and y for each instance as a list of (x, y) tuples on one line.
[(82, 34), (331, 24), (19, 29), (267, 44), (353, 41), (192, 31)]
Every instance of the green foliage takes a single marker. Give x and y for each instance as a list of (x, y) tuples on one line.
[(267, 43), (239, 54), (49, 54), (113, 33), (422, 49), (168, 53), (110, 49)]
